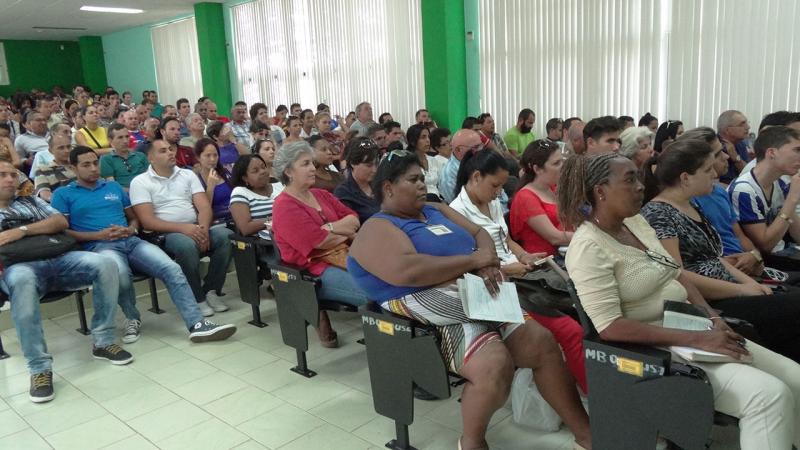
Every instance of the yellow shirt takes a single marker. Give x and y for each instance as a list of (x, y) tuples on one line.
[(93, 138), (615, 280)]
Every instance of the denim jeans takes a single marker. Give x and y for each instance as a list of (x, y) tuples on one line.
[(146, 258), (26, 284), (336, 284), (187, 255)]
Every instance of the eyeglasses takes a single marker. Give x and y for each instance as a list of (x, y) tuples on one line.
[(661, 259), (127, 165), (398, 153)]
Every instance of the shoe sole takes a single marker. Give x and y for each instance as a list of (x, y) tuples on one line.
[(217, 334), (130, 339), (220, 308), (42, 399), (121, 362)]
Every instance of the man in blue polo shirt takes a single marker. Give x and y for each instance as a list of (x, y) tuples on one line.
[(100, 215)]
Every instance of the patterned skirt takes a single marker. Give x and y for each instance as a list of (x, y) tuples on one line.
[(459, 336)]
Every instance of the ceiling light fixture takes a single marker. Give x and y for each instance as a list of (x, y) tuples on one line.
[(111, 10)]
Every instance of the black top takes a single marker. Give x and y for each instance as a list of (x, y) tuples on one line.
[(698, 242), (354, 198)]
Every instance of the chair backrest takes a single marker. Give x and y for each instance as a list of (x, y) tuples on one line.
[(589, 331)]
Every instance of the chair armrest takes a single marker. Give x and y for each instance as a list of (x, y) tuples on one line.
[(292, 272)]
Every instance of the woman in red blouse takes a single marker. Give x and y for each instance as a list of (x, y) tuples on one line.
[(310, 222), (534, 214)]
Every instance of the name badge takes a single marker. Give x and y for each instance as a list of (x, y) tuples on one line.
[(439, 230)]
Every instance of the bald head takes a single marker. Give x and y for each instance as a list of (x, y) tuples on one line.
[(575, 137), (463, 141)]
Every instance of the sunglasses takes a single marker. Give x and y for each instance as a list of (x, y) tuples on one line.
[(661, 259)]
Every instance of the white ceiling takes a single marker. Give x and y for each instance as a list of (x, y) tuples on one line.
[(18, 17)]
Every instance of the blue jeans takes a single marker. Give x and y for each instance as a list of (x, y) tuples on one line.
[(26, 284), (336, 284), (187, 255), (146, 258)]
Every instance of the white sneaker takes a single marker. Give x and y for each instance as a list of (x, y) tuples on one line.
[(216, 302), (133, 331), (205, 309)]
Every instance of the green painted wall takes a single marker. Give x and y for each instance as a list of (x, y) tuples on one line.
[(444, 55), (210, 23), (41, 64), (472, 56), (93, 62), (130, 64)]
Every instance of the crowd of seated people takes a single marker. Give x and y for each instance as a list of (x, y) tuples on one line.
[(635, 214)]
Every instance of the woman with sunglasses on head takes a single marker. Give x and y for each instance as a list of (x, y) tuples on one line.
[(356, 190), (481, 178), (666, 134), (309, 225), (407, 258), (534, 214), (623, 275), (686, 170)]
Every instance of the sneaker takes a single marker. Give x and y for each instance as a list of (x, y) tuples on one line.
[(206, 331), (113, 353), (205, 310), (216, 302), (133, 332), (42, 387)]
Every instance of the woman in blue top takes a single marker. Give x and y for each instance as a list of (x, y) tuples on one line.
[(214, 178), (408, 256)]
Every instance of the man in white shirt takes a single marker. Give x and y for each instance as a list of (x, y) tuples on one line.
[(171, 200), (35, 137), (363, 118)]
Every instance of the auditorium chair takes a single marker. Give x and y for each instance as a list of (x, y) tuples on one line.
[(250, 270), (298, 306), (401, 354), (637, 393)]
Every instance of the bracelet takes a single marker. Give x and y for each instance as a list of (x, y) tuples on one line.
[(785, 217), (330, 227), (757, 255), (715, 317)]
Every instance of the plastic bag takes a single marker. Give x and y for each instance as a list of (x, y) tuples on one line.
[(528, 406)]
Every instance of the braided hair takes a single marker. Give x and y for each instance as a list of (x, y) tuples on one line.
[(579, 176)]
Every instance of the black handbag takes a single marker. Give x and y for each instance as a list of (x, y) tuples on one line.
[(544, 292), (37, 247)]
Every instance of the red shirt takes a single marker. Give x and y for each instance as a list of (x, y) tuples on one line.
[(528, 204), (296, 227), (184, 157)]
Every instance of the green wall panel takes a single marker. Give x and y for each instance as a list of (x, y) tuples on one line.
[(211, 46), (93, 62), (444, 55), (41, 65), (130, 63)]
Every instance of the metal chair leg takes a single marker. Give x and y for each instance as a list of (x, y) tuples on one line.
[(302, 366), (402, 440), (154, 297), (257, 318), (84, 329)]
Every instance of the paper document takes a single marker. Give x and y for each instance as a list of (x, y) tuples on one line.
[(480, 305), (685, 316)]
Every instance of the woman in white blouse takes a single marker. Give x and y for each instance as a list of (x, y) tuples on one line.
[(623, 275), (480, 181)]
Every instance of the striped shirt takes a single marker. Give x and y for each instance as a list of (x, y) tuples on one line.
[(52, 177), (752, 205), (260, 206)]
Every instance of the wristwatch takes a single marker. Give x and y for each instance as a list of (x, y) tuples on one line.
[(783, 216), (757, 255), (24, 230)]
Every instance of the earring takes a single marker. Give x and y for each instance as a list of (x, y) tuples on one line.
[(602, 198), (390, 194)]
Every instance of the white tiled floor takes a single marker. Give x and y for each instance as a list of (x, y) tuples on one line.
[(234, 394)]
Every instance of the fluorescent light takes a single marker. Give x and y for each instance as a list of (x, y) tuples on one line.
[(111, 10)]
